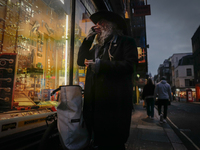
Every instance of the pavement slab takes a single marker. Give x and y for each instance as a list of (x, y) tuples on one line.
[(148, 134)]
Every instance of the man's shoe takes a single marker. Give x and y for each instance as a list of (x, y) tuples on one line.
[(152, 118), (164, 121)]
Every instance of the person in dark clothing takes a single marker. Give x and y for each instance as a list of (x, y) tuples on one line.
[(110, 57), (148, 96)]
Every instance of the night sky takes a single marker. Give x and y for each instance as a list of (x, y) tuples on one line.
[(169, 29)]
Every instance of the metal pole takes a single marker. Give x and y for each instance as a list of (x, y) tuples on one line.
[(4, 27), (72, 43), (134, 84), (131, 19), (146, 45), (17, 30)]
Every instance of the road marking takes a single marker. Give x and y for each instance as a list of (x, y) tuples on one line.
[(184, 135)]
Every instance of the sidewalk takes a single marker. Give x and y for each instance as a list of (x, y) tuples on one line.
[(147, 134)]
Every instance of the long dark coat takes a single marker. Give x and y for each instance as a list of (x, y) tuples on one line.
[(108, 93), (148, 90)]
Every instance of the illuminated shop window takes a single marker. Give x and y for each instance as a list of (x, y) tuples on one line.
[(141, 55), (34, 49)]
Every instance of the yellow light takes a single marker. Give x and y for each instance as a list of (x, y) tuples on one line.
[(126, 14), (66, 49)]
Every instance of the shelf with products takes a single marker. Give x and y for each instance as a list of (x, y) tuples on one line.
[(29, 82)]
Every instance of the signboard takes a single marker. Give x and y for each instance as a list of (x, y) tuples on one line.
[(5, 127), (31, 121), (142, 10), (141, 55)]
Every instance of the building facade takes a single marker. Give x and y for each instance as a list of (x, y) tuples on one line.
[(164, 70), (196, 55), (184, 78), (174, 63), (179, 72), (138, 27), (139, 10)]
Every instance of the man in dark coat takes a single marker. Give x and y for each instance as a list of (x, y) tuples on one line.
[(110, 57)]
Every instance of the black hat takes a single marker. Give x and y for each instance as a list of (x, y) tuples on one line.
[(110, 16)]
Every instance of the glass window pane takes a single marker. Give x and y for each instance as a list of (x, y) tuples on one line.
[(189, 72), (37, 32), (187, 82), (82, 27)]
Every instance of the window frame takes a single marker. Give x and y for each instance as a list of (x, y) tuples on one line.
[(189, 72)]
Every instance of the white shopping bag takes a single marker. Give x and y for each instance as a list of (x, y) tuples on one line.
[(71, 127)]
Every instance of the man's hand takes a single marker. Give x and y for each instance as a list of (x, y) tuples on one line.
[(96, 29), (93, 31), (88, 62)]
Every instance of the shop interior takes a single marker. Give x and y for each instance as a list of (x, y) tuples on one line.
[(34, 38)]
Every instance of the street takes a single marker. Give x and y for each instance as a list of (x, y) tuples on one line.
[(184, 118)]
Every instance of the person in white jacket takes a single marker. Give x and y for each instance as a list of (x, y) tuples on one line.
[(163, 92)]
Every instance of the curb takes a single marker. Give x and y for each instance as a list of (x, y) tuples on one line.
[(174, 139)]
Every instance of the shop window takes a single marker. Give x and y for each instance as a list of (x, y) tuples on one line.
[(34, 40)]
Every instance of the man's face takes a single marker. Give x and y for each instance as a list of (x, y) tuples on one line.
[(106, 29)]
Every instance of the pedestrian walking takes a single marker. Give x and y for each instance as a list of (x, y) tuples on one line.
[(110, 57), (148, 96), (163, 91)]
